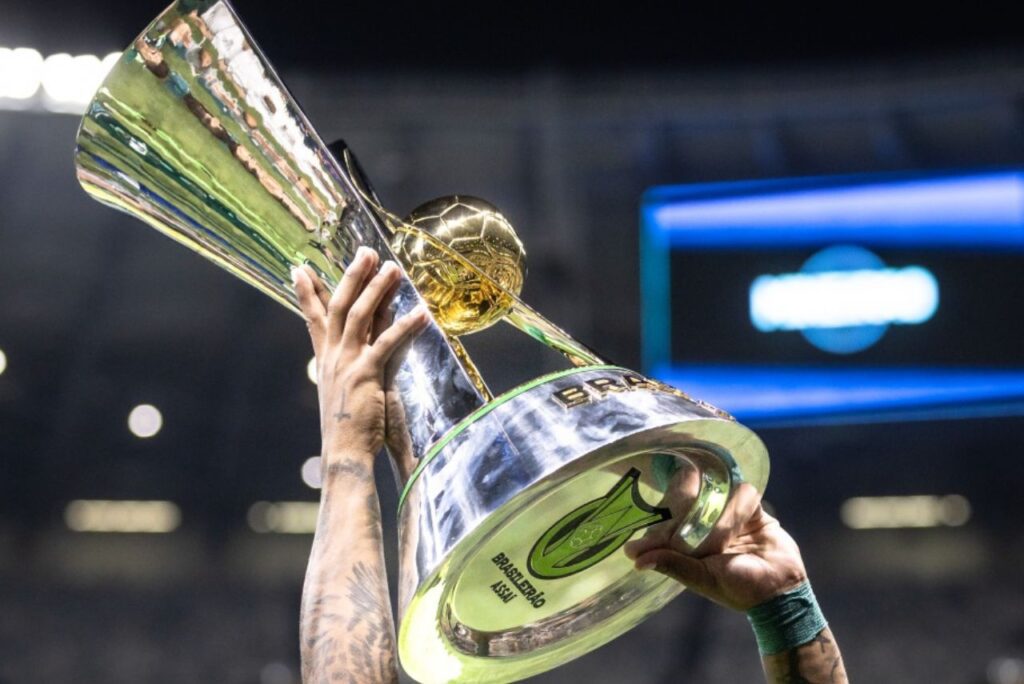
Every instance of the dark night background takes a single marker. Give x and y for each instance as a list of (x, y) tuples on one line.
[(562, 115)]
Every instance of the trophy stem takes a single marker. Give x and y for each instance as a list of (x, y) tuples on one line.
[(470, 368), (544, 331)]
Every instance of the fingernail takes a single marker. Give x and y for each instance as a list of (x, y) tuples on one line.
[(295, 275), (646, 566), (388, 266)]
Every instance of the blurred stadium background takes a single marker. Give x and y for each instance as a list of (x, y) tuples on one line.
[(564, 120)]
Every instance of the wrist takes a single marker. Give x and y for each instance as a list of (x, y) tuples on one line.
[(356, 443), (787, 621), (345, 466)]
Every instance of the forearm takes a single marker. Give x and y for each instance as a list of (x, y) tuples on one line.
[(795, 642), (347, 631), (815, 662)]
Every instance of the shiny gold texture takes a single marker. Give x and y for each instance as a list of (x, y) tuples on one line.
[(462, 300)]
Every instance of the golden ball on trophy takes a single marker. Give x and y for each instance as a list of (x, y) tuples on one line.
[(440, 237)]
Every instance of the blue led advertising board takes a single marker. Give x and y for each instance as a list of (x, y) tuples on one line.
[(838, 299)]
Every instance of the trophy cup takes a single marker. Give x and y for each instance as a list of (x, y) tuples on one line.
[(514, 508)]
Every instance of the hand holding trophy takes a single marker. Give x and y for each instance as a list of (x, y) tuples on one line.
[(514, 508)]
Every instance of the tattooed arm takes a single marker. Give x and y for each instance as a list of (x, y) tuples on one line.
[(816, 661), (748, 559), (347, 630)]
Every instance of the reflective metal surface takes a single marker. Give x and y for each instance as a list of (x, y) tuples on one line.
[(193, 132), (499, 580), (513, 509)]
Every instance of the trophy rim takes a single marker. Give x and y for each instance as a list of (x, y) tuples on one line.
[(482, 411), (430, 651), (448, 527)]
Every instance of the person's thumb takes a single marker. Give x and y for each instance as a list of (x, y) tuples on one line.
[(638, 547), (684, 569)]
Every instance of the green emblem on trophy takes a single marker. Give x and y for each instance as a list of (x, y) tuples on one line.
[(590, 533)]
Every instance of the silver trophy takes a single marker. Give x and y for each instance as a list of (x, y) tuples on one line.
[(514, 508)]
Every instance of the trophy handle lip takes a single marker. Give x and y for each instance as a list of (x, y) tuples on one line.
[(479, 413), (347, 159)]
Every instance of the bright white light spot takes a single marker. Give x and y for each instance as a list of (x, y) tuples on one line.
[(3, 362), (145, 420), (311, 370), (841, 299), (876, 512), (108, 62), (311, 472), (73, 80), (21, 71), (283, 517), (139, 517), (69, 82)]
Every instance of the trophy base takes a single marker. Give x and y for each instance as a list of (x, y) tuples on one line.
[(513, 525)]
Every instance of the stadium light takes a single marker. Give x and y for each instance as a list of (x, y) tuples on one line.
[(135, 517), (21, 72), (145, 421), (283, 517), (60, 83), (311, 472), (881, 512)]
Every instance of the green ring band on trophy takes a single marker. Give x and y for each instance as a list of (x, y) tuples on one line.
[(515, 507)]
